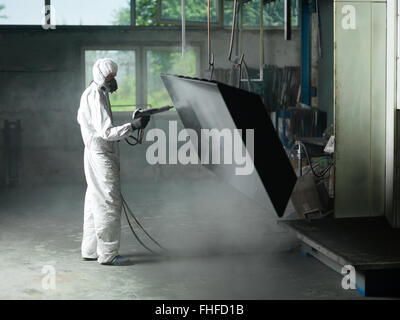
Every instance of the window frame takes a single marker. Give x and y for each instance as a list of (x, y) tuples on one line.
[(64, 26), (132, 22), (172, 47), (141, 64), (218, 23), (266, 27), (111, 48), (221, 19), (24, 26), (174, 24)]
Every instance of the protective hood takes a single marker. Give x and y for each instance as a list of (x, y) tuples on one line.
[(102, 68)]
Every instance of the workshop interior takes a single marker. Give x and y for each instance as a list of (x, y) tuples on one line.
[(315, 216)]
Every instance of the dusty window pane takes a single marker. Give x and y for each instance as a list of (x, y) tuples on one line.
[(163, 61), (273, 13), (146, 12), (124, 99), (22, 12), (92, 12), (196, 10)]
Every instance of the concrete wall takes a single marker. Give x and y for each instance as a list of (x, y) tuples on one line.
[(41, 83)]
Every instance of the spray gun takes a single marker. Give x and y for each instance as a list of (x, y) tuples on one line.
[(142, 113)]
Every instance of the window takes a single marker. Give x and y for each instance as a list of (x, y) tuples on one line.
[(150, 63), (196, 10), (166, 61), (92, 12), (273, 13), (20, 12), (148, 12), (124, 99)]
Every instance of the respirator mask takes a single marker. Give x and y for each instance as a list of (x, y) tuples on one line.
[(111, 86)]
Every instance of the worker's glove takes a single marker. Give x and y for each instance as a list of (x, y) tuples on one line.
[(140, 123)]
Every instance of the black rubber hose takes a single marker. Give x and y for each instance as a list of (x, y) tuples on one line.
[(300, 144), (140, 226), (134, 233)]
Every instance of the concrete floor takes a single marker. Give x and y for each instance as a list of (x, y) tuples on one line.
[(222, 247)]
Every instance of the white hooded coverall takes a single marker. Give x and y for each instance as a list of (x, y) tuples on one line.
[(103, 203)]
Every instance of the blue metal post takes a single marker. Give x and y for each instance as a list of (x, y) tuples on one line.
[(305, 51)]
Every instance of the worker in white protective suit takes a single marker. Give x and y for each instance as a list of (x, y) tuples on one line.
[(103, 201)]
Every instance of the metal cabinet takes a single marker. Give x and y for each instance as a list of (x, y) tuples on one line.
[(360, 107), (393, 114)]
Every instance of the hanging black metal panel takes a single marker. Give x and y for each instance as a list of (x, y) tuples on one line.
[(203, 104)]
